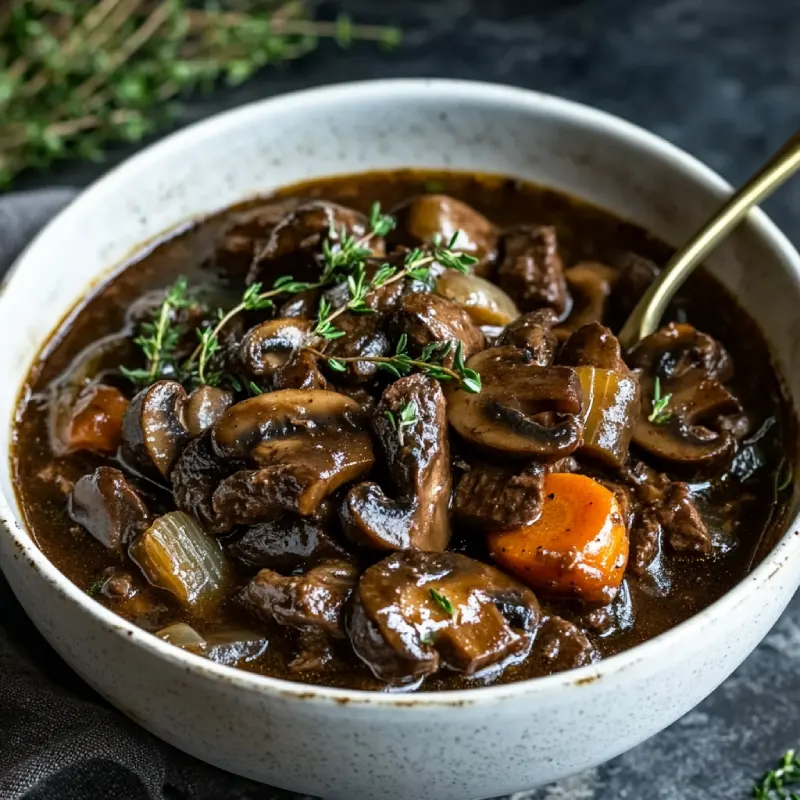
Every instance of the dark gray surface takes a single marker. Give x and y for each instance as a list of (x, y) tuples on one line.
[(720, 78)]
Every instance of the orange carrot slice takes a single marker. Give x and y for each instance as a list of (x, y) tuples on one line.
[(577, 548)]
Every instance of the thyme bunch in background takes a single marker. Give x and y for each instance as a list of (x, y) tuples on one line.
[(774, 785), (76, 75)]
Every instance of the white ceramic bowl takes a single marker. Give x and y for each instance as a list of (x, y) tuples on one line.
[(343, 744)]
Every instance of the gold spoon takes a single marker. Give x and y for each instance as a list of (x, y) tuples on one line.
[(646, 317)]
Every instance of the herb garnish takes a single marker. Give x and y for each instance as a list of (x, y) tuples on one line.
[(773, 785), (659, 415), (405, 418), (442, 602), (344, 259), (430, 362), (95, 587), (160, 336)]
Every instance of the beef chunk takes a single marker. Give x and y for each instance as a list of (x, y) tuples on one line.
[(493, 498), (314, 600), (109, 508), (562, 646), (532, 272)]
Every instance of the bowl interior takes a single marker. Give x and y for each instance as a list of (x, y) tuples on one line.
[(383, 125)]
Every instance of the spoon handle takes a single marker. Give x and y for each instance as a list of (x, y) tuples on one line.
[(646, 316)]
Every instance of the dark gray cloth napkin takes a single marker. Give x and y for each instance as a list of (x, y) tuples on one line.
[(61, 741)]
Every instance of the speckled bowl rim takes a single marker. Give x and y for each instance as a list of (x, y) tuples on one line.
[(474, 93)]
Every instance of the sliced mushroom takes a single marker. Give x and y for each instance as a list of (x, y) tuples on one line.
[(560, 645), (286, 544), (427, 319), (532, 272), (688, 436), (533, 332), (109, 508), (678, 349), (314, 600), (317, 437), (590, 286), (418, 456), (430, 218), (523, 410), (269, 346), (486, 303), (154, 431), (416, 612), (492, 498), (206, 405), (295, 243)]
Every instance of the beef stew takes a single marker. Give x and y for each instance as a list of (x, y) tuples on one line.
[(377, 432)]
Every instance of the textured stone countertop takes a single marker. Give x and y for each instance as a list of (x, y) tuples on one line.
[(720, 78)]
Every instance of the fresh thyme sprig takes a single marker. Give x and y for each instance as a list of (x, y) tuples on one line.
[(349, 254), (416, 265), (253, 299), (659, 414), (773, 785), (159, 337), (405, 418), (76, 75), (430, 362)]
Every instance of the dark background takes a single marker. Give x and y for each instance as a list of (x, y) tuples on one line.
[(720, 78)]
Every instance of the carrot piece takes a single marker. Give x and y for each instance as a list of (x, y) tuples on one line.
[(96, 422), (577, 548)]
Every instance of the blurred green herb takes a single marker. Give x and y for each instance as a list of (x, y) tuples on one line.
[(76, 75), (442, 602), (773, 785), (659, 414), (95, 587), (160, 335)]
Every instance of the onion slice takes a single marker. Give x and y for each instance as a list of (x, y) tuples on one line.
[(177, 555)]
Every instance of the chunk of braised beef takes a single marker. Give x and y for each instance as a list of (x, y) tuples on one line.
[(414, 613), (418, 459), (286, 544), (593, 345), (645, 541), (533, 332), (301, 371), (634, 274), (432, 218), (531, 270), (196, 474), (363, 336), (315, 599), (250, 229), (294, 246), (560, 645), (430, 319), (95, 421), (493, 498), (684, 527), (107, 506)]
